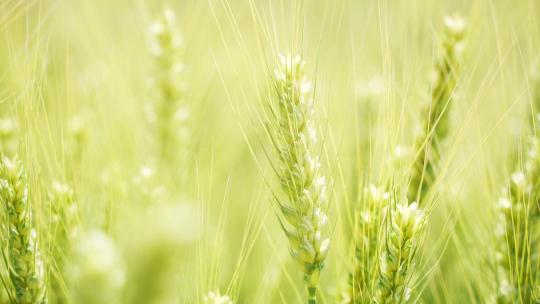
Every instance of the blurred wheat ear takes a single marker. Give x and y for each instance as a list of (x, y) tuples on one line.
[(435, 124), (303, 202), (168, 113), (517, 234)]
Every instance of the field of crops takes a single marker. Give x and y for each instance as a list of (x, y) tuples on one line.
[(269, 151)]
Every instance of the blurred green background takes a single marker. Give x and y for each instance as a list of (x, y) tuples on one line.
[(75, 85)]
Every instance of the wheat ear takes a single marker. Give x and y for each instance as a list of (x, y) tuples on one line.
[(404, 222), (303, 207)]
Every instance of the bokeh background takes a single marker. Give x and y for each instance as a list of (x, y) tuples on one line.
[(75, 84)]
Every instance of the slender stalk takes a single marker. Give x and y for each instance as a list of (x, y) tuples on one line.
[(312, 294)]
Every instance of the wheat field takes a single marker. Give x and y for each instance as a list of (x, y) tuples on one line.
[(259, 151)]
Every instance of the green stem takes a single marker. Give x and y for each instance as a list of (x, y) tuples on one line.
[(312, 295)]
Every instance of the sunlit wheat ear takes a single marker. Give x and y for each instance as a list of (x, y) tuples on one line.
[(8, 136), (518, 233), (304, 201), (214, 297), (367, 235), (434, 128), (401, 240), (167, 112), (63, 229), (22, 251)]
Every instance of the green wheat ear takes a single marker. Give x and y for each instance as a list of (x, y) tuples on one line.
[(435, 126), (403, 224), (304, 203), (23, 257)]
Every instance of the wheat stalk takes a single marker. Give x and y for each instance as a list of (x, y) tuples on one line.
[(434, 129), (23, 258), (303, 215), (404, 222)]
